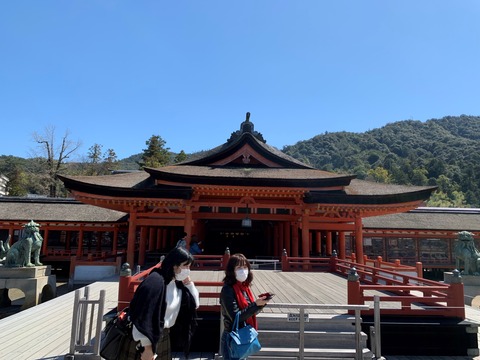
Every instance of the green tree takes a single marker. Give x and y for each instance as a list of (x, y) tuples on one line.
[(420, 177), (111, 160), (181, 156), (379, 174), (156, 154), (94, 166), (95, 153), (13, 168)]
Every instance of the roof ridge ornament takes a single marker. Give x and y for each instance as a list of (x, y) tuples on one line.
[(246, 127)]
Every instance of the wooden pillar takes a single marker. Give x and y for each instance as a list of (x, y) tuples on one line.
[(359, 238), (287, 236), (80, 244), (341, 245), (132, 231), (68, 239), (188, 225), (295, 239), (329, 243), (115, 240), (11, 233), (318, 241), (143, 245), (151, 238), (306, 234), (45, 242)]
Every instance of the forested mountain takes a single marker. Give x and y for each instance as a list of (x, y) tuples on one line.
[(440, 152), (443, 152)]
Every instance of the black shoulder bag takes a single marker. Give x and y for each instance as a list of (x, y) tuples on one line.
[(116, 332)]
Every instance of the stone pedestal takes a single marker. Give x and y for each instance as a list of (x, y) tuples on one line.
[(37, 284)]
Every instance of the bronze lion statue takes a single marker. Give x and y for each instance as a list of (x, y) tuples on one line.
[(466, 252), (30, 244)]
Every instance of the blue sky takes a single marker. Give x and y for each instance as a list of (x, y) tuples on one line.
[(117, 72)]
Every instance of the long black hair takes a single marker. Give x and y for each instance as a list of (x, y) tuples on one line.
[(176, 257), (234, 261)]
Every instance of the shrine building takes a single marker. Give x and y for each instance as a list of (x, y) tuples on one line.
[(247, 196)]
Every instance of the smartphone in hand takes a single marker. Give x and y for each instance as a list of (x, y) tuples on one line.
[(267, 295)]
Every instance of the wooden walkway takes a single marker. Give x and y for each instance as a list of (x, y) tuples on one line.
[(43, 332)]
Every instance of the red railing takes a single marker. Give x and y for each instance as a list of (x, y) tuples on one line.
[(401, 291), (402, 294), (209, 291), (128, 284), (211, 262)]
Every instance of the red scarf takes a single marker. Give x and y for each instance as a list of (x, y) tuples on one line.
[(240, 290)]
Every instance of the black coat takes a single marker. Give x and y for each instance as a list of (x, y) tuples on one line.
[(230, 307), (147, 312)]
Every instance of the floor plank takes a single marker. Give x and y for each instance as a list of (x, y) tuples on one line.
[(43, 332)]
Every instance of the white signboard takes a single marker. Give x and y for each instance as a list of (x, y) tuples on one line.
[(294, 317)]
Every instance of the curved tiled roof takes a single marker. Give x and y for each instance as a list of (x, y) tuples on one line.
[(130, 180), (229, 165), (249, 176), (139, 185), (428, 219), (55, 210)]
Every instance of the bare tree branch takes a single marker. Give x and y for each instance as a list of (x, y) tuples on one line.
[(54, 157)]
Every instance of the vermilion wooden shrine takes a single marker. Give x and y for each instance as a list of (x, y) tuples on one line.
[(245, 195)]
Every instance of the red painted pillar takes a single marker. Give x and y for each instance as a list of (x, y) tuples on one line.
[(359, 238), (143, 246), (115, 240), (132, 234), (318, 241), (306, 243), (295, 239), (80, 244), (354, 295), (124, 281), (329, 243), (287, 235), (341, 245), (285, 266), (456, 296)]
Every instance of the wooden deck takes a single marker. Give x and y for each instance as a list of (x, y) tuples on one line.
[(43, 332)]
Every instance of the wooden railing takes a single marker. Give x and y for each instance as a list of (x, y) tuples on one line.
[(209, 290), (400, 290), (128, 283), (402, 294), (211, 262), (298, 263)]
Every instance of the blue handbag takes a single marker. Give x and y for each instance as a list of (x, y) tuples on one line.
[(242, 342)]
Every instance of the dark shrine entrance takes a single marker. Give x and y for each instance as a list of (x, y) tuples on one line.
[(252, 242)]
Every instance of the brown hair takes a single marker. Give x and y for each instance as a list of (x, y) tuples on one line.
[(234, 261)]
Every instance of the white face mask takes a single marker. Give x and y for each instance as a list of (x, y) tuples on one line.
[(182, 275), (241, 274)]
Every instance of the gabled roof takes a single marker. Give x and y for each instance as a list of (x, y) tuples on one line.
[(246, 160)]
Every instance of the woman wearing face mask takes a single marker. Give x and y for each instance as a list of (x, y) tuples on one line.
[(163, 310), (236, 296)]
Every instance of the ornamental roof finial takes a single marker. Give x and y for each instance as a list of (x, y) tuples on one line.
[(247, 117)]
